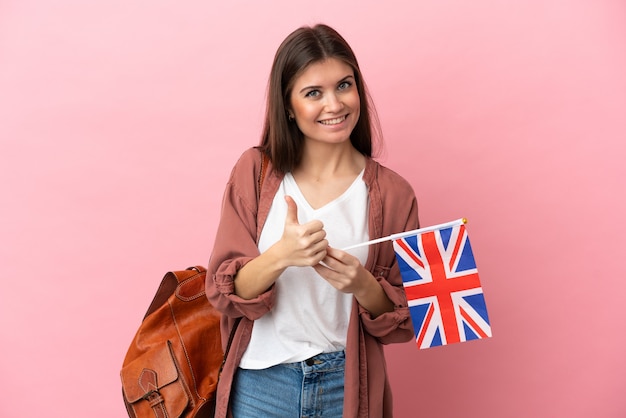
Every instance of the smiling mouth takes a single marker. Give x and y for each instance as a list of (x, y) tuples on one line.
[(334, 121)]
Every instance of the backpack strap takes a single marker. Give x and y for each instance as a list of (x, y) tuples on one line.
[(264, 163)]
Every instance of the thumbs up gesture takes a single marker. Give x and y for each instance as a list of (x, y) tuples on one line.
[(302, 245)]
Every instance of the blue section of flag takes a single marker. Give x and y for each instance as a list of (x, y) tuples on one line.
[(477, 302), (466, 261), (418, 315), (436, 341), (408, 274), (469, 334), (445, 236)]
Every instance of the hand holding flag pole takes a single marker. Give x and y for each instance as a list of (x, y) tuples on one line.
[(441, 283)]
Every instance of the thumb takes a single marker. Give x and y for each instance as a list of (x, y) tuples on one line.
[(292, 211)]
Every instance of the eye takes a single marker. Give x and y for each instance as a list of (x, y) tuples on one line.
[(313, 93), (344, 85)]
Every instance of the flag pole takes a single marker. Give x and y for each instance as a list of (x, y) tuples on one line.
[(409, 233)]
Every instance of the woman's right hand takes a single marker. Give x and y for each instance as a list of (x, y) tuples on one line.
[(301, 244)]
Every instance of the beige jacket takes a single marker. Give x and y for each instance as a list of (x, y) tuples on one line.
[(393, 209)]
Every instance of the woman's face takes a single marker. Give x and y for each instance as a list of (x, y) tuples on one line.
[(325, 101)]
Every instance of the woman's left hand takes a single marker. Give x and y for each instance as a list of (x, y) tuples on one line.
[(345, 273)]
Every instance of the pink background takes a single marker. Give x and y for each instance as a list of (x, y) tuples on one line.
[(120, 121)]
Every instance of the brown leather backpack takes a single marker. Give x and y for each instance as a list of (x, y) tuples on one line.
[(172, 366)]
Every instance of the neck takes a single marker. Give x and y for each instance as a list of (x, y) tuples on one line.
[(324, 161)]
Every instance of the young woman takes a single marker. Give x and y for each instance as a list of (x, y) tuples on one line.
[(313, 318)]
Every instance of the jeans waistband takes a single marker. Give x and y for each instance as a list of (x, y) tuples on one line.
[(322, 362)]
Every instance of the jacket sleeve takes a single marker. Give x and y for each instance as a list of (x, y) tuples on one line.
[(399, 214), (235, 242)]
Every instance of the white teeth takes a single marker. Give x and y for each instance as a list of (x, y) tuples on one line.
[(333, 121)]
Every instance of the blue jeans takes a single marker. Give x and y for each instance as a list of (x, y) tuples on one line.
[(306, 389)]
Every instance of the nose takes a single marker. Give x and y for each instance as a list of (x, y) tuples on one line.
[(333, 103)]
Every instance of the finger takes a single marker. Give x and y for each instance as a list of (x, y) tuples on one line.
[(316, 252), (319, 236), (292, 211), (322, 269), (336, 265), (339, 255), (314, 258)]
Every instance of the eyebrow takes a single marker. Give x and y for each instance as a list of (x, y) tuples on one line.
[(319, 87)]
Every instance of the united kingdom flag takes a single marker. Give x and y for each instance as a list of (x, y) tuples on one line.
[(442, 287)]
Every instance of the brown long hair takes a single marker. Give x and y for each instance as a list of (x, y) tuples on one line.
[(282, 141)]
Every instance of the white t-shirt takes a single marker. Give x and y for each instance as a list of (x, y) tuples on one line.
[(310, 316)]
